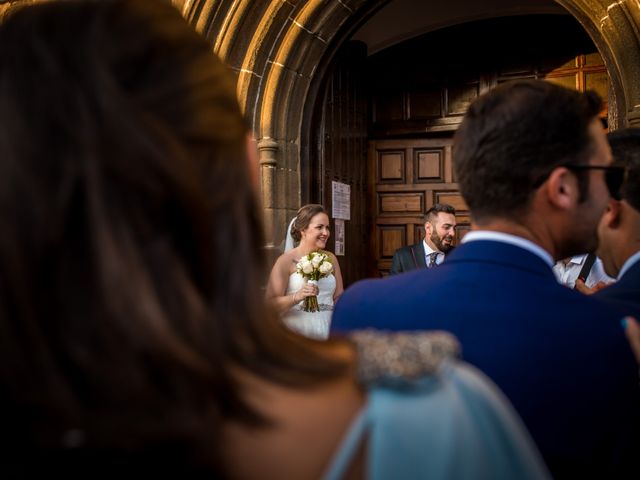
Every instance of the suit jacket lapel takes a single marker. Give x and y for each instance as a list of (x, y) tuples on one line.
[(417, 250)]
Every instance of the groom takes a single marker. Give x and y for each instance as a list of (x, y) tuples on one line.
[(439, 231), (534, 167)]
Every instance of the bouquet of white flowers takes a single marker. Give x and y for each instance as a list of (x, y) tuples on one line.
[(313, 267)]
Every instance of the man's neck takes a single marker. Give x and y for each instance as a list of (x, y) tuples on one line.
[(429, 244), (510, 227)]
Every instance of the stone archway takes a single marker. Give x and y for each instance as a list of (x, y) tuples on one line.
[(278, 48), (276, 65), (613, 27)]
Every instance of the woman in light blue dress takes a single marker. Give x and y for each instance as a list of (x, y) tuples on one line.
[(430, 416)]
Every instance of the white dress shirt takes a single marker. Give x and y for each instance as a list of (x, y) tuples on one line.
[(428, 251), (568, 274)]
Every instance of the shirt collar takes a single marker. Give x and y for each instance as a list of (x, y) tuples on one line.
[(510, 239), (630, 262), (578, 259), (428, 249)]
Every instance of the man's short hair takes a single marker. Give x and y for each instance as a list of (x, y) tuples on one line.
[(433, 212), (512, 137), (625, 146)]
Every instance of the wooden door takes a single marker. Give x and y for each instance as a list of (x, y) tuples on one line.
[(417, 105), (342, 155), (407, 178)]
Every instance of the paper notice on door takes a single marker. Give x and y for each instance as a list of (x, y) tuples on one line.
[(341, 200), (339, 236)]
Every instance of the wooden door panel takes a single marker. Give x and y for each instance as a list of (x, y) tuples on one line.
[(407, 178), (397, 203), (392, 237), (391, 166), (429, 165)]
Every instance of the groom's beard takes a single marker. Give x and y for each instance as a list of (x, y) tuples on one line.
[(439, 241)]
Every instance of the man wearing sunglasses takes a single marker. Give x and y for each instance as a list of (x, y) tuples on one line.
[(534, 167), (619, 228)]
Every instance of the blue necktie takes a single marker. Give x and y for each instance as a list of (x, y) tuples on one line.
[(432, 259)]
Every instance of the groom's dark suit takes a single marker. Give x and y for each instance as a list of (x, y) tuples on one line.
[(559, 356), (408, 258)]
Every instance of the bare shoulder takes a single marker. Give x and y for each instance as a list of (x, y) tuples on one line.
[(286, 262), (332, 256), (336, 264), (327, 410)]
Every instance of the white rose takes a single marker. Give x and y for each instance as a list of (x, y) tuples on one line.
[(326, 268), (307, 267), (316, 260)]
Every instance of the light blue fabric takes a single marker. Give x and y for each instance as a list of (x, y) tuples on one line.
[(452, 425)]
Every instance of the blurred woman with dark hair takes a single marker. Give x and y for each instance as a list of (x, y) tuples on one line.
[(129, 341)]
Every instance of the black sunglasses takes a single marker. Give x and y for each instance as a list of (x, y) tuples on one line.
[(614, 176)]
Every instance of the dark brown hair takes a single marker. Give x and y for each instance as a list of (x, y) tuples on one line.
[(128, 232), (433, 212), (303, 219), (514, 136), (625, 146)]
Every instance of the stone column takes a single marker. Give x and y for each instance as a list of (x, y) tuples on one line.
[(268, 149), (633, 117)]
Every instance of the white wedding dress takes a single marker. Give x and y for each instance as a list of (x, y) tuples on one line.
[(311, 324)]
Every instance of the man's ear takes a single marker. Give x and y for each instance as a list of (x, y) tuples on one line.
[(561, 188), (612, 215)]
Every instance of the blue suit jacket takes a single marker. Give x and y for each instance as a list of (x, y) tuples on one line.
[(625, 292), (560, 357)]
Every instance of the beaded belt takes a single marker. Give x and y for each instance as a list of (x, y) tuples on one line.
[(323, 307)]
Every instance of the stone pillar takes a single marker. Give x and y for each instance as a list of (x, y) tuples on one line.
[(633, 117), (268, 149)]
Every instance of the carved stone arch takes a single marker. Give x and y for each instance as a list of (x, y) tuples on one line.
[(277, 47), (613, 27)]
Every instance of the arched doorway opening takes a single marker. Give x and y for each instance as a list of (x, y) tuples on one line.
[(282, 50), (388, 120)]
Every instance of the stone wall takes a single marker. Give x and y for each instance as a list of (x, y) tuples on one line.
[(280, 48)]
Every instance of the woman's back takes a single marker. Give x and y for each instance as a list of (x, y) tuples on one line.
[(308, 427)]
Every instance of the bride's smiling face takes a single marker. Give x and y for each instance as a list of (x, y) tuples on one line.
[(317, 233)]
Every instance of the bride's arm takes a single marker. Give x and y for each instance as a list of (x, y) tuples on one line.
[(277, 287), (338, 275)]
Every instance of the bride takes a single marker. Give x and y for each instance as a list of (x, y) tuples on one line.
[(287, 289)]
